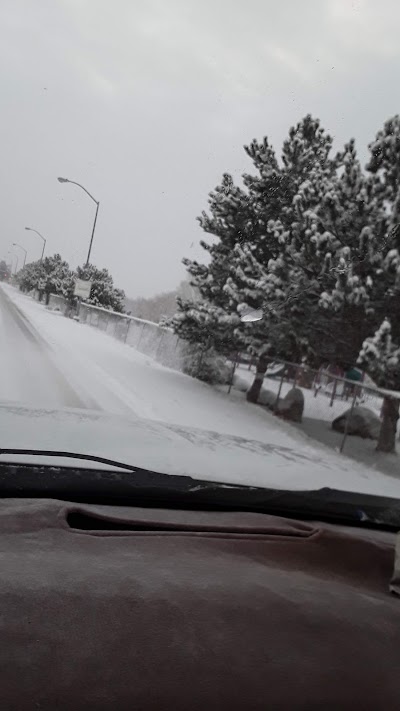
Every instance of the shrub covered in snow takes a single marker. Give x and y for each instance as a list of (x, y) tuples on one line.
[(205, 365)]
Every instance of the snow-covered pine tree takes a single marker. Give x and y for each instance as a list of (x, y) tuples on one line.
[(384, 165), (381, 358), (28, 277), (209, 318), (237, 217), (58, 275), (331, 257), (259, 222), (103, 292), (287, 280), (351, 217), (53, 271), (367, 268)]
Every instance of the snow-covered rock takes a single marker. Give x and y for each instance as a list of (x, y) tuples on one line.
[(362, 422), (291, 407), (267, 398), (240, 384)]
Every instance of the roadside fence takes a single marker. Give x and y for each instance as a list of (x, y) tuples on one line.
[(147, 337), (327, 397)]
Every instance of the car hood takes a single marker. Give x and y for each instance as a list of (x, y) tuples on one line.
[(173, 449)]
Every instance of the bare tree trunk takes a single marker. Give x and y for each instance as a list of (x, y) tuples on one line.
[(255, 388), (387, 434)]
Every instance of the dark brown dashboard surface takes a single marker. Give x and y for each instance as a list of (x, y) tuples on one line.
[(128, 608)]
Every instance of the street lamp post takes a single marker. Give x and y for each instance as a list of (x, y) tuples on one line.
[(97, 203), (41, 237), (15, 244)]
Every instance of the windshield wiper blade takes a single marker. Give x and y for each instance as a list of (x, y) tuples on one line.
[(150, 488), (72, 455)]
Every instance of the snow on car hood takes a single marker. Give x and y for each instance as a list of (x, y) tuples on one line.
[(173, 449)]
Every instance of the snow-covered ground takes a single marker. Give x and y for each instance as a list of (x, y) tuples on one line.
[(51, 363)]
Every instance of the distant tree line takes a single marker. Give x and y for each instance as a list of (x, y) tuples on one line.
[(161, 306), (54, 276)]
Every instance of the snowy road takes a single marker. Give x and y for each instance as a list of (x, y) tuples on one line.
[(27, 373)]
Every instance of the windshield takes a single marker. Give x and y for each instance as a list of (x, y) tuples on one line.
[(200, 244)]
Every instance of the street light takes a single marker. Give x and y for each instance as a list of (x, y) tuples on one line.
[(15, 244), (41, 236), (65, 180)]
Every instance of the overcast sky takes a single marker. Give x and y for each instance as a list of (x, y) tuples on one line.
[(147, 103)]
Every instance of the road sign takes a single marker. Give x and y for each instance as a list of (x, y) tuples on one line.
[(82, 288), (41, 284)]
